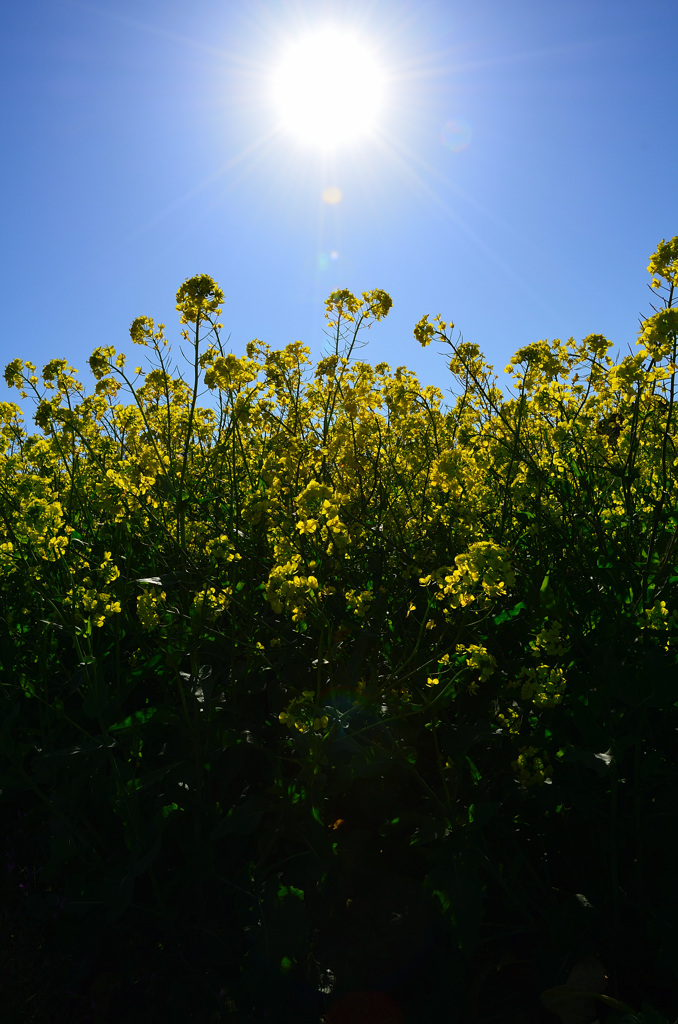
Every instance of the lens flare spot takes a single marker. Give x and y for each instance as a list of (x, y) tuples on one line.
[(332, 195), (456, 135)]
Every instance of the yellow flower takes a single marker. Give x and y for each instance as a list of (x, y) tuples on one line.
[(425, 332), (149, 606), (199, 298), (532, 768), (359, 602), (479, 659), (510, 720), (664, 263), (341, 305), (548, 641)]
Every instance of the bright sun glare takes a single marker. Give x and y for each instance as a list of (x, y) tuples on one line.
[(328, 88)]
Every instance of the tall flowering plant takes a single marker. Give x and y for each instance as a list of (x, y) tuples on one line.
[(280, 675)]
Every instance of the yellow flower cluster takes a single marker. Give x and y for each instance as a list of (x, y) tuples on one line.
[(548, 641), (510, 720), (209, 604), (221, 550), (324, 505), (664, 264), (327, 367), (359, 602), (544, 686), (659, 619), (450, 470), (37, 521), (425, 332), (199, 298), (150, 608), (312, 492), (479, 660), (287, 590), (301, 714), (485, 563), (88, 601), (343, 305), (627, 376), (229, 373), (658, 616), (540, 360), (658, 334), (532, 766)]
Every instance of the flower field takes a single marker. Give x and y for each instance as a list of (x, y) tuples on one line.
[(341, 693)]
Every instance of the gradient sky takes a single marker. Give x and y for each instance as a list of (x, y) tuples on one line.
[(140, 147)]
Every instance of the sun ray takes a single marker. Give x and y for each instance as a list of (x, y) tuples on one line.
[(409, 154), (163, 33), (255, 147), (432, 195), (336, 115)]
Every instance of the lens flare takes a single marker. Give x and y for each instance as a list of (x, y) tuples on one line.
[(332, 195), (456, 135)]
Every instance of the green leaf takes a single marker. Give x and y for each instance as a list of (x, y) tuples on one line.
[(509, 613), (290, 890), (139, 717), (474, 770), (286, 965), (316, 815)]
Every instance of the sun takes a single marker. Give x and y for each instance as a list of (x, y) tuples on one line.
[(328, 88)]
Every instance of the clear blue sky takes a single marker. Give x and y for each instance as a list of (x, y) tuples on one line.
[(140, 148)]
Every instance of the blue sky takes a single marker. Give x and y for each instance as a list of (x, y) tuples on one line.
[(140, 147)]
